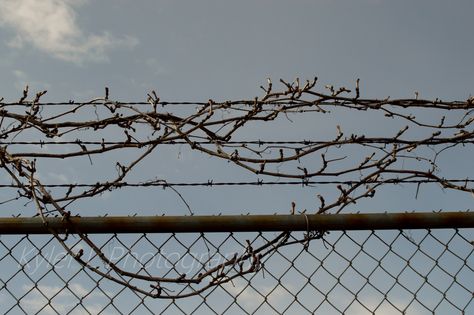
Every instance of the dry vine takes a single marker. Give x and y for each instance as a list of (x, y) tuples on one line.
[(210, 129)]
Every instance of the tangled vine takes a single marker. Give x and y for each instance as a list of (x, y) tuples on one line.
[(211, 127)]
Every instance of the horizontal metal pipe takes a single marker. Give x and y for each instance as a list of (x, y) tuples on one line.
[(239, 223)]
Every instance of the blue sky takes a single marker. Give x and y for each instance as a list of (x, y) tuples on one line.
[(196, 50), (225, 50), (191, 50)]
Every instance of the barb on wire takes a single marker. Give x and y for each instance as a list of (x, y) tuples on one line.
[(102, 126), (212, 183)]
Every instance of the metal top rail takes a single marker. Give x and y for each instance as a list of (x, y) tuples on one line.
[(237, 223)]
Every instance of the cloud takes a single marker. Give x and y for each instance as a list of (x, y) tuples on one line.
[(62, 300), (58, 178), (22, 79), (277, 297), (50, 26)]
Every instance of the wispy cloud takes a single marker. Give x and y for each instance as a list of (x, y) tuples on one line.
[(247, 297), (63, 300), (22, 79), (51, 26)]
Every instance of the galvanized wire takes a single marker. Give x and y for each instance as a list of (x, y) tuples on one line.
[(365, 272), (258, 182)]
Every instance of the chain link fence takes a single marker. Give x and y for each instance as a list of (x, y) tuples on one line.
[(345, 272)]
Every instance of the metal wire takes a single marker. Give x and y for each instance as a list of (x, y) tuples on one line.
[(365, 272), (230, 143), (332, 100), (212, 183)]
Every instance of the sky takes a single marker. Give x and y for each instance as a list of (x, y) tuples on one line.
[(193, 50), (226, 49), (196, 50)]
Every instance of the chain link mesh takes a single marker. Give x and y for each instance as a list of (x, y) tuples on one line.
[(348, 272)]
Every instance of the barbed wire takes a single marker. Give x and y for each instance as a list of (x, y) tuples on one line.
[(212, 183), (409, 154), (243, 142)]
